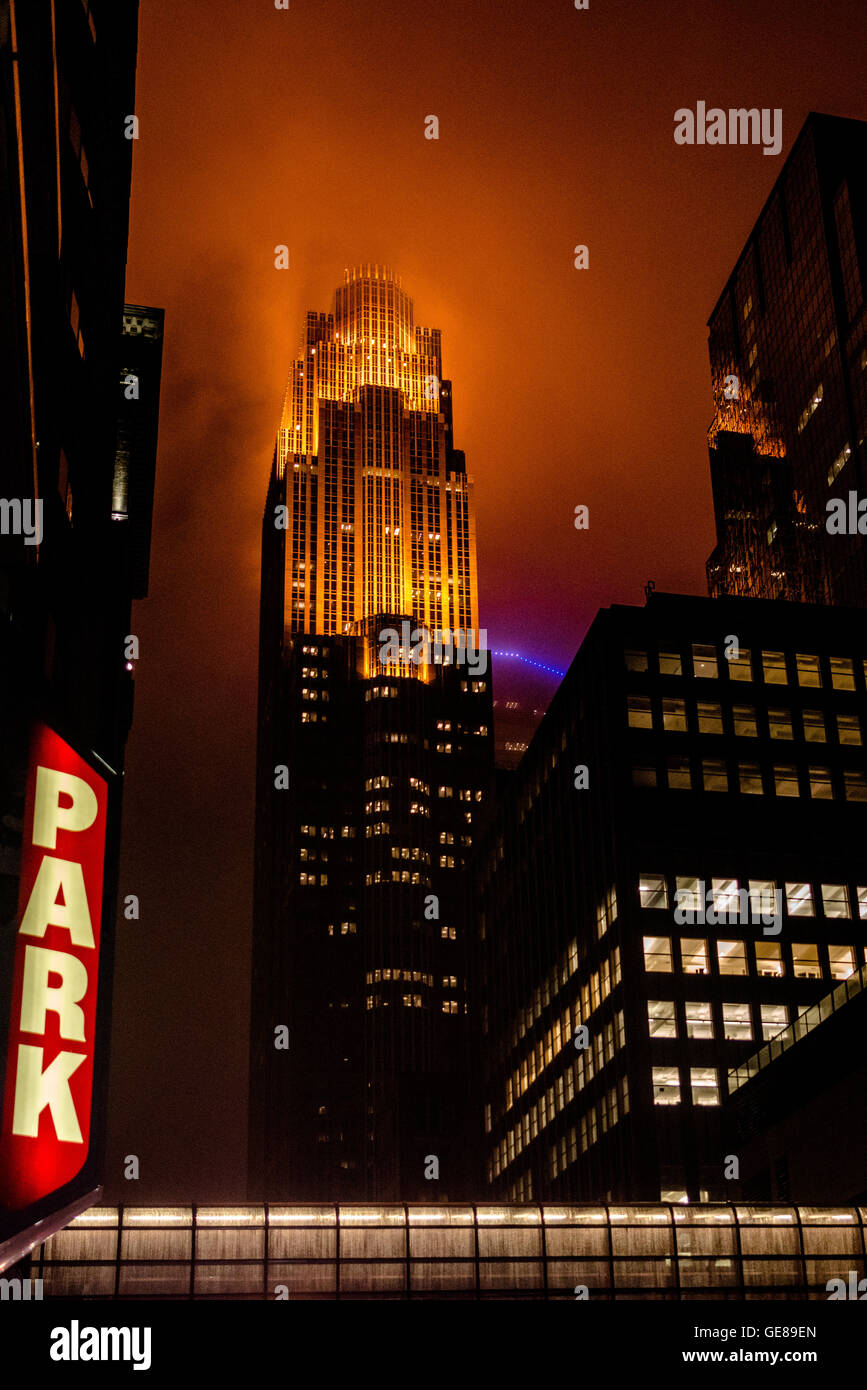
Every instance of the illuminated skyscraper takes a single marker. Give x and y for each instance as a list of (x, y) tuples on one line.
[(360, 936), (788, 351), (382, 512)]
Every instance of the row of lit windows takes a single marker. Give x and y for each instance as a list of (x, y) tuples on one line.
[(412, 1001), (775, 667), (374, 977), (752, 779), (592, 1125), (310, 880), (704, 1085), (396, 876), (728, 897), (464, 793), (592, 994), (381, 692), (732, 959), (549, 1105), (407, 852), (744, 722), (697, 1019), (550, 987)]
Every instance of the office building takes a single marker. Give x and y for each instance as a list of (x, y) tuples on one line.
[(675, 874), (788, 356), (374, 770)]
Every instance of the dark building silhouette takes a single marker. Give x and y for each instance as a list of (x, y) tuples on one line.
[(796, 1115), (70, 427), (788, 355), (677, 789), (374, 771)]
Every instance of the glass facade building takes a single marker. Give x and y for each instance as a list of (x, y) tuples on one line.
[(454, 1252), (788, 356)]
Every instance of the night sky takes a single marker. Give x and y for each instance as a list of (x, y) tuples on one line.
[(261, 126)]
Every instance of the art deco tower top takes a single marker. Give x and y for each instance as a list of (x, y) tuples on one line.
[(379, 504)]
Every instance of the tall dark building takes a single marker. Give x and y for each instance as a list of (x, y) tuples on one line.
[(677, 867), (78, 413), (788, 355), (374, 770)]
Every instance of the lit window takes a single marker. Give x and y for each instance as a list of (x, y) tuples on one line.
[(732, 957), (699, 1023), (636, 661), (750, 777), (799, 900), (661, 1018), (774, 1020), (808, 669), (657, 954), (693, 955), (814, 725), (638, 712), (842, 673), (839, 462), (821, 788), (786, 780), (643, 775), (674, 715), (715, 775), (670, 664), (687, 893), (849, 728), (726, 899), (653, 890), (780, 723), (704, 1085), (774, 668), (679, 774), (842, 959), (835, 900), (704, 660), (740, 666), (744, 717), (737, 1024), (709, 718), (762, 896), (855, 785), (805, 961), (666, 1086), (769, 959), (862, 901)]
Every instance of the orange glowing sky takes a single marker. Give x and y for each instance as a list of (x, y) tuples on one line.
[(306, 127)]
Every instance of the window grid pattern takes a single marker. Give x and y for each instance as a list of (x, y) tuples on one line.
[(673, 1251)]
